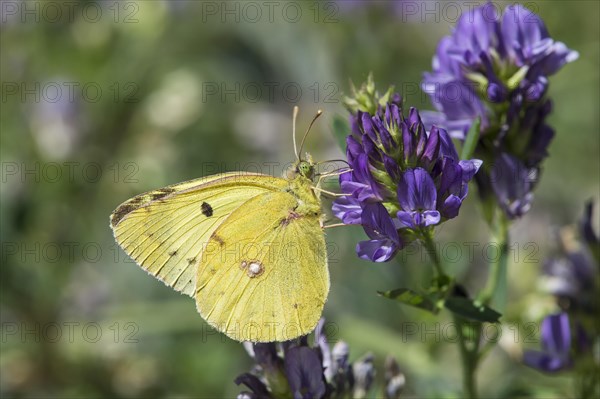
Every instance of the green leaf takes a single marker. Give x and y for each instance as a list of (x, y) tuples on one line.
[(465, 308), (341, 130), (412, 298), (471, 140)]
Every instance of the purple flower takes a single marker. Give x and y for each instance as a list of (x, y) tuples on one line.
[(299, 370), (500, 57), (496, 68), (379, 226), (556, 345), (403, 179), (572, 276), (417, 197), (512, 183), (304, 373), (394, 379)]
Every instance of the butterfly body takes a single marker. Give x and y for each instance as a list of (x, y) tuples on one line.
[(249, 248)]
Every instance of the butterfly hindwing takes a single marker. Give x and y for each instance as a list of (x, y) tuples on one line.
[(264, 275), (165, 231)]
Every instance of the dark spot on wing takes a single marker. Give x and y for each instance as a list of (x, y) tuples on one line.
[(207, 209), (121, 212), (163, 192), (191, 261), (173, 253), (136, 200), (218, 239), (295, 306)]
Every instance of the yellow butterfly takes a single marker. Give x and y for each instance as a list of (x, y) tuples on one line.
[(249, 247)]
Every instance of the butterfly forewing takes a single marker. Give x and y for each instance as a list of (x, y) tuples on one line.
[(165, 231)]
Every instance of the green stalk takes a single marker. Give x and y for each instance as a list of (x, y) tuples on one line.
[(429, 244), (469, 357), (496, 285), (494, 291)]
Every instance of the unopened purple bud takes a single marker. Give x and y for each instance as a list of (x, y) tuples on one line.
[(496, 93)]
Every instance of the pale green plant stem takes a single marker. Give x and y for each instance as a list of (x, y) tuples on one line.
[(468, 355)]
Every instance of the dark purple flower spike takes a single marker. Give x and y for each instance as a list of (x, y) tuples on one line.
[(496, 69), (404, 179)]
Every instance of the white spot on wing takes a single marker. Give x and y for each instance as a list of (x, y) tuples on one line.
[(253, 268)]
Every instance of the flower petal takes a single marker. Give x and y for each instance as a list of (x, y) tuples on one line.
[(406, 219), (416, 190), (376, 250), (544, 361), (347, 209), (430, 218), (378, 224), (304, 373), (451, 206), (254, 383), (556, 335)]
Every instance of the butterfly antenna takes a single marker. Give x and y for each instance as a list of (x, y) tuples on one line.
[(294, 117), (319, 112), (332, 160)]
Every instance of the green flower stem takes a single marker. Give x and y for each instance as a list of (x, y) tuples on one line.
[(469, 359), (494, 291), (495, 287), (429, 244), (469, 356)]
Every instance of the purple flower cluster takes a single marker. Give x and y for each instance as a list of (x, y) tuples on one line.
[(573, 279), (404, 179), (298, 370), (495, 68)]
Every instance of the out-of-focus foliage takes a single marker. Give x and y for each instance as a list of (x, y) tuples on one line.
[(101, 101)]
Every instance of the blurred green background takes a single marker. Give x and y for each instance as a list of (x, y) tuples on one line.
[(102, 101)]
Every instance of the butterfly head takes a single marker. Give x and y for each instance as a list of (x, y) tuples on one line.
[(306, 168)]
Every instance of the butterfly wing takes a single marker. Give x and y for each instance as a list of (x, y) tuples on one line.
[(264, 276), (165, 231)]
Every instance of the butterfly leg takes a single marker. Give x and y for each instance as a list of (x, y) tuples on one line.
[(333, 225), (329, 192)]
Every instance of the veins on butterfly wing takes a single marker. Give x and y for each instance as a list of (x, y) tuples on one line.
[(121, 212)]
